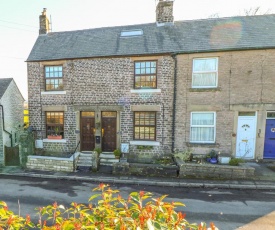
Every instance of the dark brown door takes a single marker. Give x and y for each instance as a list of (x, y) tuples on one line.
[(108, 131), (87, 131)]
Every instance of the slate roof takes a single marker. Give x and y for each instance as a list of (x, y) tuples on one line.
[(4, 83), (193, 36)]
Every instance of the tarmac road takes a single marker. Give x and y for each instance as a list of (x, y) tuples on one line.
[(227, 208)]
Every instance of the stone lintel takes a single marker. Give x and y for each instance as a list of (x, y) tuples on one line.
[(53, 108), (98, 108), (143, 108)]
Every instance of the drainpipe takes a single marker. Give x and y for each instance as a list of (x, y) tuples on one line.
[(3, 119), (174, 56)]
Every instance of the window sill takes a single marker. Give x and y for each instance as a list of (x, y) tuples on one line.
[(209, 145), (214, 89), (147, 143), (53, 92), (145, 90), (54, 141)]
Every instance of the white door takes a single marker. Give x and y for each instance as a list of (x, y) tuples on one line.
[(246, 137)]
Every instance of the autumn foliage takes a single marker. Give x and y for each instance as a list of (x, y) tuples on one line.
[(107, 209)]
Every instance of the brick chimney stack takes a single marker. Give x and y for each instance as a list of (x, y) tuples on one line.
[(164, 12), (44, 23)]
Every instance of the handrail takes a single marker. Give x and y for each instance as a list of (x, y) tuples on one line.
[(73, 156)]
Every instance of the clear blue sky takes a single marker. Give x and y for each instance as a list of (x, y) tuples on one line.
[(19, 21)]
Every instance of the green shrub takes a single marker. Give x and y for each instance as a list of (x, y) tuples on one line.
[(186, 155), (108, 211), (117, 152), (98, 150), (235, 161)]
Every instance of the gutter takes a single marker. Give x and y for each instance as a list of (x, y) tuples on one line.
[(3, 119), (174, 100)]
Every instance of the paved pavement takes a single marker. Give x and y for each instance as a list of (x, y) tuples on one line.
[(264, 178)]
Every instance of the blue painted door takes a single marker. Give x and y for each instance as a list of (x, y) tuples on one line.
[(269, 144)]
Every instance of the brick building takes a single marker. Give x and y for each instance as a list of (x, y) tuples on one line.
[(205, 84)]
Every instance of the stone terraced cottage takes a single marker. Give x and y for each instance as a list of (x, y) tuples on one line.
[(200, 84), (11, 114)]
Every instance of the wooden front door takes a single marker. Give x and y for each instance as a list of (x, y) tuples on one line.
[(87, 131), (108, 126)]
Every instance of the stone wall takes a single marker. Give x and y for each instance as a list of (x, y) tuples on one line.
[(214, 171), (13, 105), (244, 84), (145, 169), (1, 141), (52, 163), (103, 84)]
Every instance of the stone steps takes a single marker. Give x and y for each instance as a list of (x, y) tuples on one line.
[(106, 160), (84, 160)]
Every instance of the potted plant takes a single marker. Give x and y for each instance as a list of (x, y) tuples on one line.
[(117, 153), (213, 156), (56, 135), (208, 157)]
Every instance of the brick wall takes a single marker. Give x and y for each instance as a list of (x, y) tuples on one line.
[(244, 79), (103, 82)]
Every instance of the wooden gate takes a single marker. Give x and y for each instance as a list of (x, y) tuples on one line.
[(12, 156)]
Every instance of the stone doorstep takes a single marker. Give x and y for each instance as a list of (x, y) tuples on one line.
[(102, 160), (107, 156)]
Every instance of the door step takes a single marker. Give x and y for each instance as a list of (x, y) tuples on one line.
[(84, 161), (106, 160)]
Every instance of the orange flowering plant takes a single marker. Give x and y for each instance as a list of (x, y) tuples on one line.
[(107, 210)]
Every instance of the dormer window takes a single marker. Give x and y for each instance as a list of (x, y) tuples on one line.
[(54, 78), (131, 33)]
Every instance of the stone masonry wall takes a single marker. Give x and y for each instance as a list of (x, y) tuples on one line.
[(13, 104), (244, 78), (103, 82), (52, 163), (1, 141)]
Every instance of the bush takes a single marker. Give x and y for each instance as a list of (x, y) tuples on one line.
[(235, 161), (98, 150), (117, 152), (186, 155), (139, 211)]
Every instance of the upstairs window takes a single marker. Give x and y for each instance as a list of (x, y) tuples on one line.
[(146, 75), (203, 127), (145, 126), (55, 123), (54, 78), (205, 73)]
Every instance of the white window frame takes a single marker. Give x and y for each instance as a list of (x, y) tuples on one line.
[(206, 126), (205, 72)]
